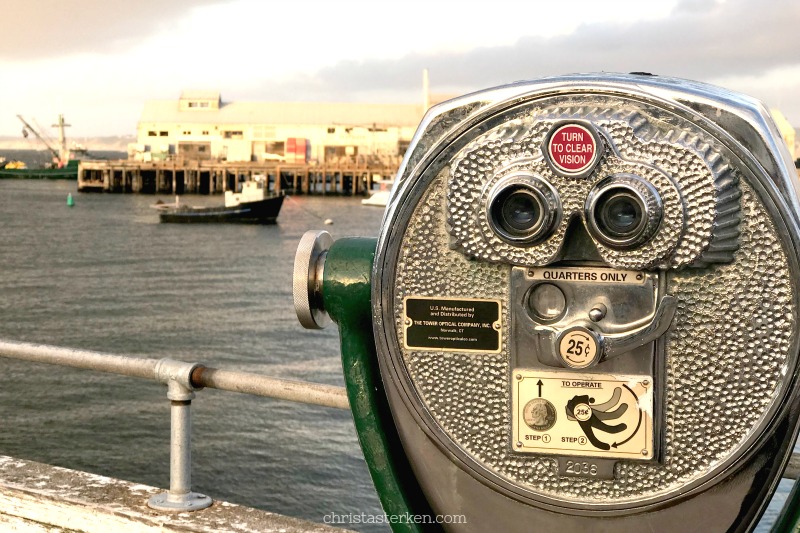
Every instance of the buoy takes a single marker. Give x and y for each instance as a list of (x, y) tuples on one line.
[(70, 201), (329, 222)]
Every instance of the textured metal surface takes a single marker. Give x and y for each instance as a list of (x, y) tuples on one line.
[(728, 356), (683, 165), (725, 361)]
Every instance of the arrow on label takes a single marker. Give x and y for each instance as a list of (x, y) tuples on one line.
[(632, 434), (539, 383), (639, 423)]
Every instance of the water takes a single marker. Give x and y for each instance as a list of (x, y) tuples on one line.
[(105, 275)]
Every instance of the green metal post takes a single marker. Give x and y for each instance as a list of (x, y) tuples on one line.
[(346, 293)]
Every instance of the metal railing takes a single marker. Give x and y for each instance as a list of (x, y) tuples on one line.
[(182, 380)]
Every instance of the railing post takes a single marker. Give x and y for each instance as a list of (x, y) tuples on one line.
[(180, 391)]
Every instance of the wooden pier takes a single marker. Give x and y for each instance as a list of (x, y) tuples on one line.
[(350, 177)]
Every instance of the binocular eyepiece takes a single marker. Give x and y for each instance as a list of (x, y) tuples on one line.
[(523, 209), (622, 211)]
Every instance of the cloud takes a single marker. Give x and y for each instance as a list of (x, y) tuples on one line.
[(701, 39), (47, 28), (229, 45)]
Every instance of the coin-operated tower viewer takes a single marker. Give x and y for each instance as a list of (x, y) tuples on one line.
[(581, 313)]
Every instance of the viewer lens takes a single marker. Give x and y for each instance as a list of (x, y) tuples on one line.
[(520, 212), (619, 214), (623, 211), (522, 209)]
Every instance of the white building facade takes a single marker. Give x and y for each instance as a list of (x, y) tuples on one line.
[(200, 126)]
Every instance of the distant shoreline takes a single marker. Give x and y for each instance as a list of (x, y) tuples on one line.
[(41, 158)]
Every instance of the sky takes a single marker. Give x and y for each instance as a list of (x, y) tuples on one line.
[(98, 61)]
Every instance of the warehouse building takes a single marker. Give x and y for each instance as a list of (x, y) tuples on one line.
[(200, 126)]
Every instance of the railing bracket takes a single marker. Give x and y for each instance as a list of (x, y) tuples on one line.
[(180, 392)]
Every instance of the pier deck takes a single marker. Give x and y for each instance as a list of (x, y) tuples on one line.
[(36, 497), (212, 177)]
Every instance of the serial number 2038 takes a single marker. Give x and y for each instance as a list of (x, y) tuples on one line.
[(578, 468)]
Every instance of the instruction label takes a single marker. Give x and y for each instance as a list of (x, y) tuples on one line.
[(588, 275), (451, 324), (588, 415)]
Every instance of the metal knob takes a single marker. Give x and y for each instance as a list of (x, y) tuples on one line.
[(579, 347), (309, 265)]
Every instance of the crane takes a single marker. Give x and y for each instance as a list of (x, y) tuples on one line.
[(59, 156)]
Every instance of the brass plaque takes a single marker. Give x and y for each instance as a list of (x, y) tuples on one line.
[(588, 415)]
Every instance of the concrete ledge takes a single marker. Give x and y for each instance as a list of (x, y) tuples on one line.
[(35, 497)]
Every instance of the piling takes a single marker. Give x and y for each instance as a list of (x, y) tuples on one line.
[(347, 177)]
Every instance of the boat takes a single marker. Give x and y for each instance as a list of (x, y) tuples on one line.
[(254, 205), (380, 197), (65, 160), (377, 199), (18, 170)]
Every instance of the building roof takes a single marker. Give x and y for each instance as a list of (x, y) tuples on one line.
[(200, 95), (295, 113), (786, 129)]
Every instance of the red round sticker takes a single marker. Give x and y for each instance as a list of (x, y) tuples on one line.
[(572, 148)]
